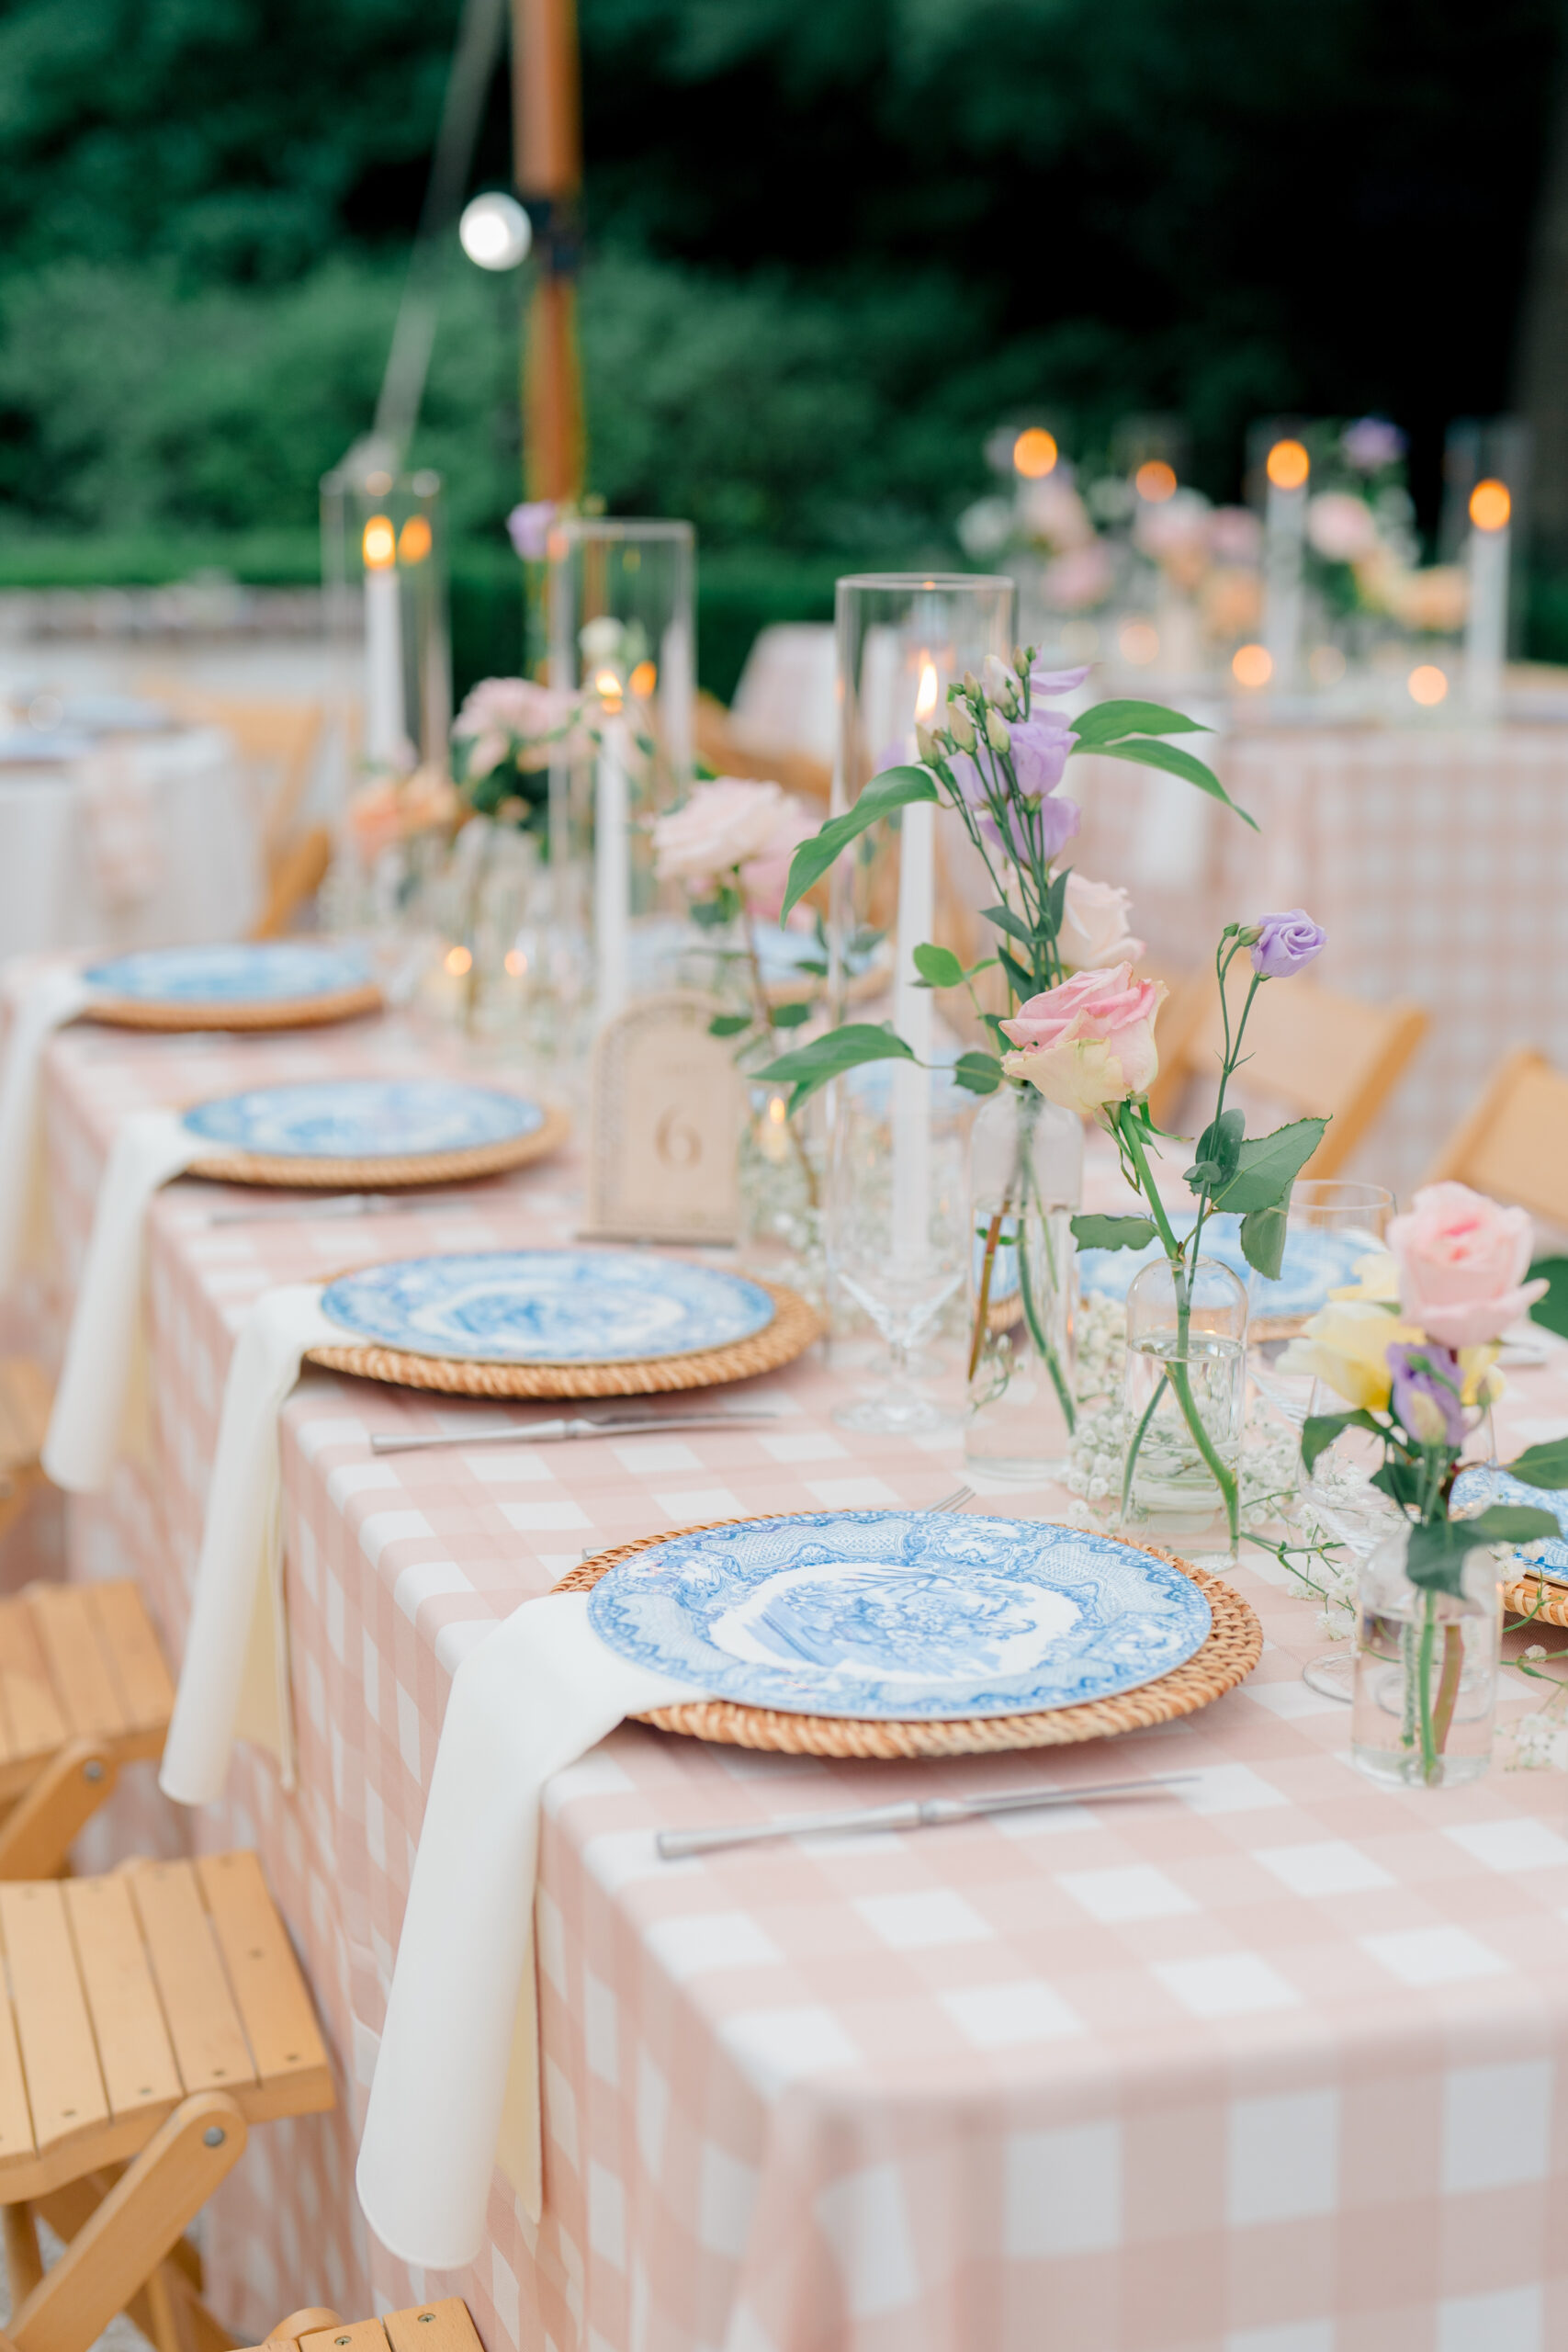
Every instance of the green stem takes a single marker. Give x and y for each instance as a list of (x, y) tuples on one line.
[(1231, 1056), (1424, 1691), (983, 1306), (1131, 1463), (1181, 1381), (1042, 1343), (1448, 1685)]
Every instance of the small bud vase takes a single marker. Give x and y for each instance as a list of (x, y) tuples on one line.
[(1186, 1355), (1025, 1182), (1426, 1692)]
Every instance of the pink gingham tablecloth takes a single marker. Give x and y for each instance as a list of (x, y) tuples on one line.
[(1272, 2067)]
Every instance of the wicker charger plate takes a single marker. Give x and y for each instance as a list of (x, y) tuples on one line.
[(304, 1174), (1233, 1647), (790, 1332), (1543, 1602), (285, 1012)]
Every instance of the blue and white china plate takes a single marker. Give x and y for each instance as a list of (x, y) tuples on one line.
[(550, 1307), (365, 1118), (1315, 1263), (892, 1615), (1488, 1483), (282, 971)]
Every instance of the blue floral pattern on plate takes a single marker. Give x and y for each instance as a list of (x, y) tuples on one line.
[(899, 1614), (363, 1118), (1489, 1483), (259, 972), (1315, 1263), (550, 1307)]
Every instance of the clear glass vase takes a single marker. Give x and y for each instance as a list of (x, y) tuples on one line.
[(782, 1170), (1025, 1182), (1425, 1671), (1184, 1395)]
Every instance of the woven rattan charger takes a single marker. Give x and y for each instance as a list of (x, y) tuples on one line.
[(285, 1012), (793, 1327), (1537, 1598), (1231, 1649), (385, 1173)]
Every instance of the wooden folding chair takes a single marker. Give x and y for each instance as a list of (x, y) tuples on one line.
[(1514, 1142), (424, 2327), (728, 753), (149, 2018), (26, 1397), (84, 1691), (1309, 1049)]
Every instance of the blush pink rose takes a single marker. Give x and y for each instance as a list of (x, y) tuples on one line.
[(765, 878), (724, 824), (1095, 931), (1091, 1041), (1463, 1262)]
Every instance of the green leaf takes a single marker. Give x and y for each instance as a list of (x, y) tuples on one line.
[(1218, 1152), (790, 1016), (1149, 754), (1115, 1232), (1005, 919), (939, 967), (1436, 1555), (1543, 1466), (827, 1058), (1021, 978), (1400, 1481), (710, 913), (1263, 1240), (1319, 1431), (1108, 721), (981, 1073), (728, 1024), (1055, 900), (1268, 1165), (894, 788)]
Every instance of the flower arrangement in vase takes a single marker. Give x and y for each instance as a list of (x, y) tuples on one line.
[(997, 761), (1411, 1355)]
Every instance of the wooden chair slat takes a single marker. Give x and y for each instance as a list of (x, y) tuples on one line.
[(34, 1723), (134, 2052), (1513, 1142), (26, 1399), (204, 2026), (130, 1644), (273, 2003), (60, 2059), (68, 1633), (433, 2327), (15, 2116), (349, 2335)]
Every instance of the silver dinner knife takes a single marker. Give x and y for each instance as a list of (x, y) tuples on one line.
[(331, 1204), (550, 1433), (917, 1813)]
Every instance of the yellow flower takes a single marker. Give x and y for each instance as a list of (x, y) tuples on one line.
[(1481, 1385), (1346, 1344), (1378, 1277)]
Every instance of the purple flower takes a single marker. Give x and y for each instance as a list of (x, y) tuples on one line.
[(1372, 443), (528, 526), (1050, 823), (1056, 682), (1286, 944), (1428, 1393), (1040, 749)]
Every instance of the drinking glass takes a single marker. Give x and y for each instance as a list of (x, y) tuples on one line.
[(897, 1222), (1331, 1222)]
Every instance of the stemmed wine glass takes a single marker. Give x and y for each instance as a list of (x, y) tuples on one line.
[(897, 1222)]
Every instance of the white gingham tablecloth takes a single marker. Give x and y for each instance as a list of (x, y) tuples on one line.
[(1271, 2068), (1436, 860)]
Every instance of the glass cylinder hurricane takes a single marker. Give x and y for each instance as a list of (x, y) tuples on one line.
[(1186, 1358), (623, 645), (902, 640), (384, 570), (1025, 1180), (1426, 1688)]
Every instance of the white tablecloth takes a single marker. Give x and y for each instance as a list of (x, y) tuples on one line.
[(146, 843)]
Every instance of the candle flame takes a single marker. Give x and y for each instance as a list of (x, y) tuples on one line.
[(1034, 453), (457, 961), (1428, 684), (607, 686), (415, 541), (1490, 505), (1252, 665), (777, 1110), (1289, 465), (516, 962), (643, 680), (925, 699), (380, 544), (1156, 481)]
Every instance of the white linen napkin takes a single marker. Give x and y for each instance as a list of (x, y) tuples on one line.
[(44, 1004), (445, 2104), (106, 1339), (235, 1675)]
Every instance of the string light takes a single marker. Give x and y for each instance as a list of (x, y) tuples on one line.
[(494, 231), (1034, 453), (1289, 465), (1252, 665), (1156, 481), (1490, 505)]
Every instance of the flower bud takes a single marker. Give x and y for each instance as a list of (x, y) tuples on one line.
[(997, 735), (971, 682), (1249, 933), (926, 744), (997, 678), (961, 727)]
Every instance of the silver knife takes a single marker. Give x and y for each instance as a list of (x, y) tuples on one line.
[(550, 1433), (331, 1205), (917, 1813)]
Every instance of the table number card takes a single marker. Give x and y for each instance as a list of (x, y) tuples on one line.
[(665, 1104)]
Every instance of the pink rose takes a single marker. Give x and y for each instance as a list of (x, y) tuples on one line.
[(1463, 1262), (1091, 1041), (500, 712), (724, 824), (764, 879), (1095, 931)]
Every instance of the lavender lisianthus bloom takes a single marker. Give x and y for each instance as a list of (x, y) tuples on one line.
[(1041, 746), (528, 526), (1055, 822), (1286, 944), (1427, 1393), (1373, 441), (1046, 682)]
